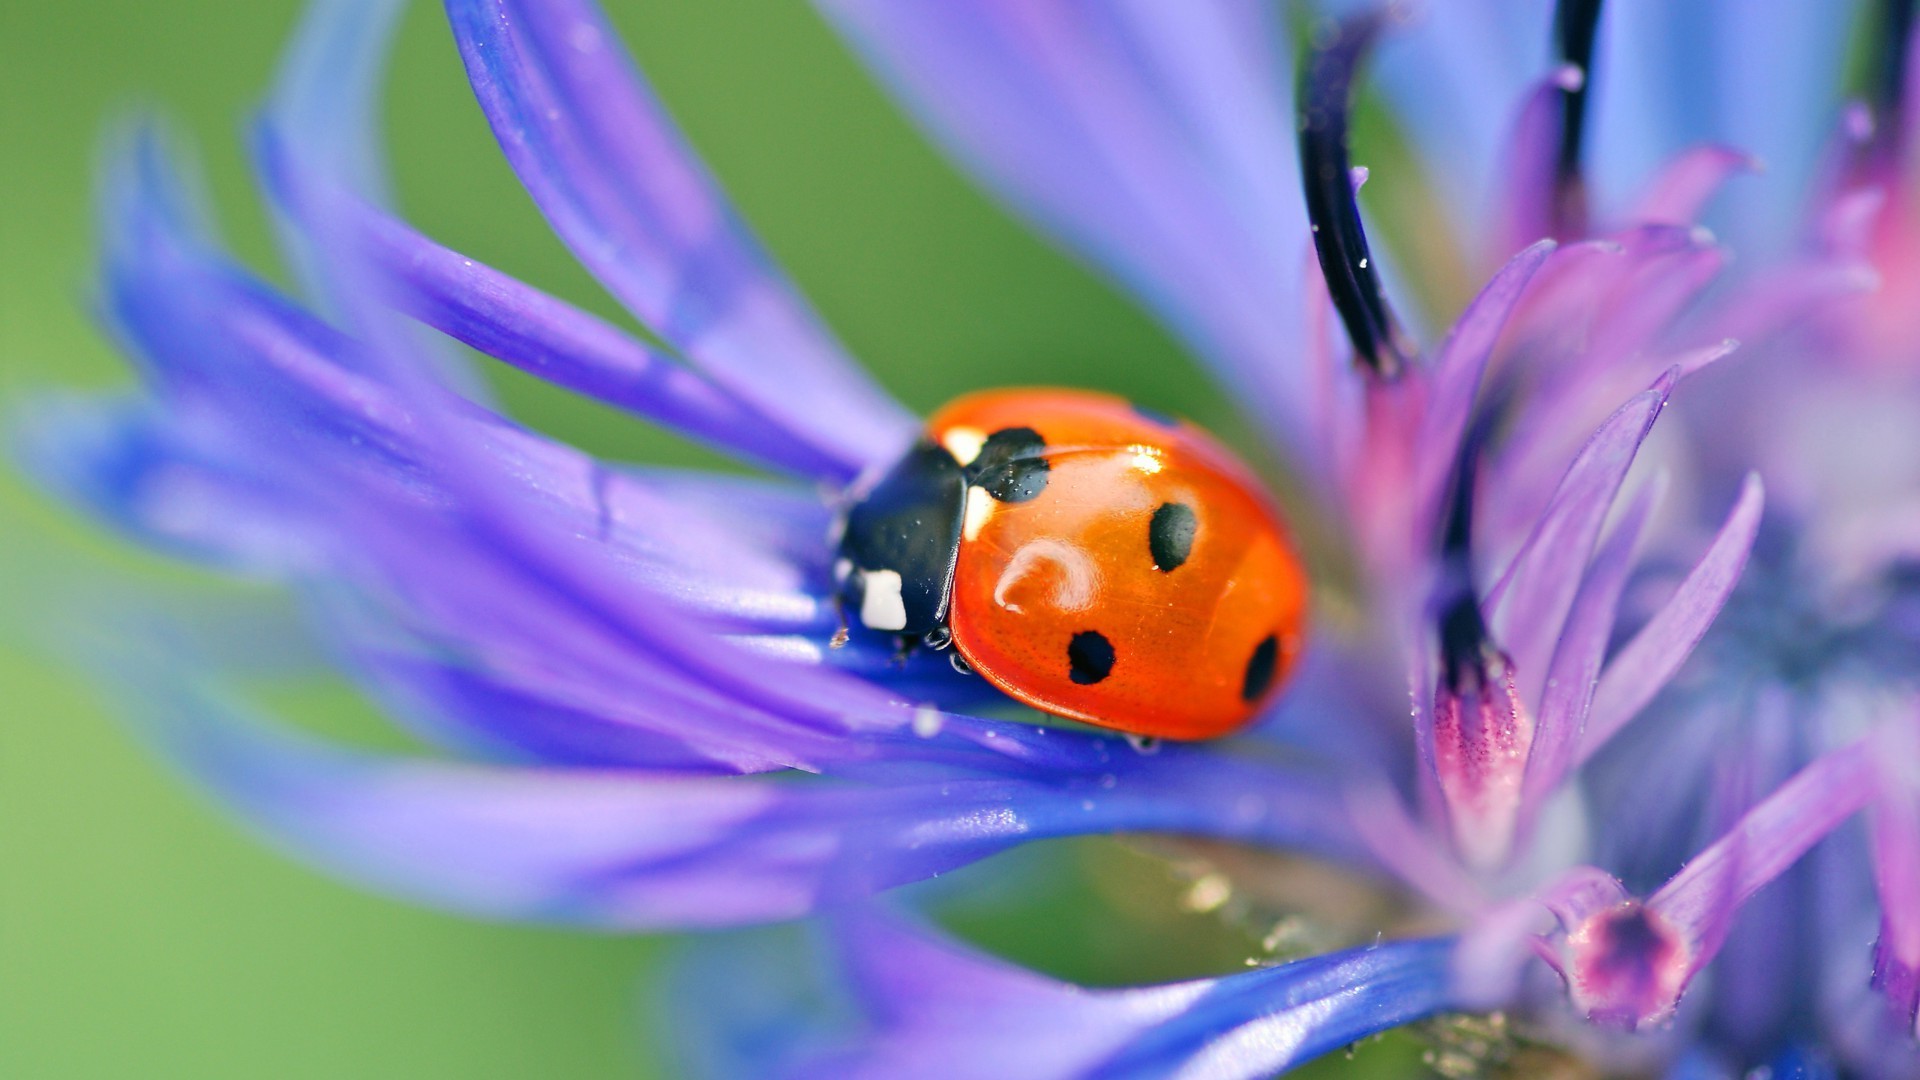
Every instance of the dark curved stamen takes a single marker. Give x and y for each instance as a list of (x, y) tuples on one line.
[(1575, 25), (1466, 642), (1326, 84), (1893, 32)]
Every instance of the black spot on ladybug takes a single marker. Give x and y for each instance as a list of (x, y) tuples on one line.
[(1170, 535), (1012, 465), (1144, 412), (1089, 657), (1260, 668)]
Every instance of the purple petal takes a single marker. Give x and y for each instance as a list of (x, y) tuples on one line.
[(1593, 331), (931, 1006), (328, 88), (1681, 190), (1483, 727), (1481, 734), (1459, 367), (1769, 85), (1154, 139), (1490, 961), (1577, 657), (1895, 823), (1699, 901), (1627, 962), (322, 119), (1530, 204), (1644, 664), (353, 467), (543, 336), (625, 192), (1528, 605), (1456, 75), (648, 849)]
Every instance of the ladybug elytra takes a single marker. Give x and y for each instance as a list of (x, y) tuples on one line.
[(1088, 558)]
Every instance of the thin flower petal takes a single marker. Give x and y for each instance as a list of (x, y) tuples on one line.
[(625, 192), (1680, 192), (1578, 655), (1154, 139), (1895, 821), (1767, 84), (322, 118), (1528, 606), (1698, 901), (549, 338), (930, 1006), (1644, 664), (1627, 962), (1459, 369), (1531, 203), (1456, 73), (633, 849)]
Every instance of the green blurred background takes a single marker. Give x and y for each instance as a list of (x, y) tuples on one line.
[(142, 934)]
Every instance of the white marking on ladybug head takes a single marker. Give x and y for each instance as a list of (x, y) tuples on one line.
[(979, 508), (964, 444), (881, 605)]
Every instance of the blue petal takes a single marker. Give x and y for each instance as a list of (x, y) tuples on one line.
[(553, 340), (929, 1006), (1456, 72), (634, 849), (1764, 77), (320, 128), (630, 198), (1155, 139)]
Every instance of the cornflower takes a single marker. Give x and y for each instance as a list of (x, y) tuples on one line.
[(1647, 855)]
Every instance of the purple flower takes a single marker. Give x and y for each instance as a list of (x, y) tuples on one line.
[(1698, 860)]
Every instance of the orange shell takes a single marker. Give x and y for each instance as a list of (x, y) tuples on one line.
[(1060, 600)]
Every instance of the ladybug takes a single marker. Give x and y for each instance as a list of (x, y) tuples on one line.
[(1087, 557)]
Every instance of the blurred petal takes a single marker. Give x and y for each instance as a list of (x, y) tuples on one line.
[(930, 1006), (1154, 139), (1578, 655), (621, 187), (1895, 820), (1627, 962), (1456, 73), (651, 849), (1459, 369), (1762, 76), (1528, 605), (1679, 193), (1644, 664), (553, 340)]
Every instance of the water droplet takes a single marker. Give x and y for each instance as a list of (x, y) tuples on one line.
[(1143, 744), (1207, 894), (927, 721), (1109, 781)]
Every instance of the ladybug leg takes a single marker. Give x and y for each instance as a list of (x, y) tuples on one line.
[(905, 646)]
